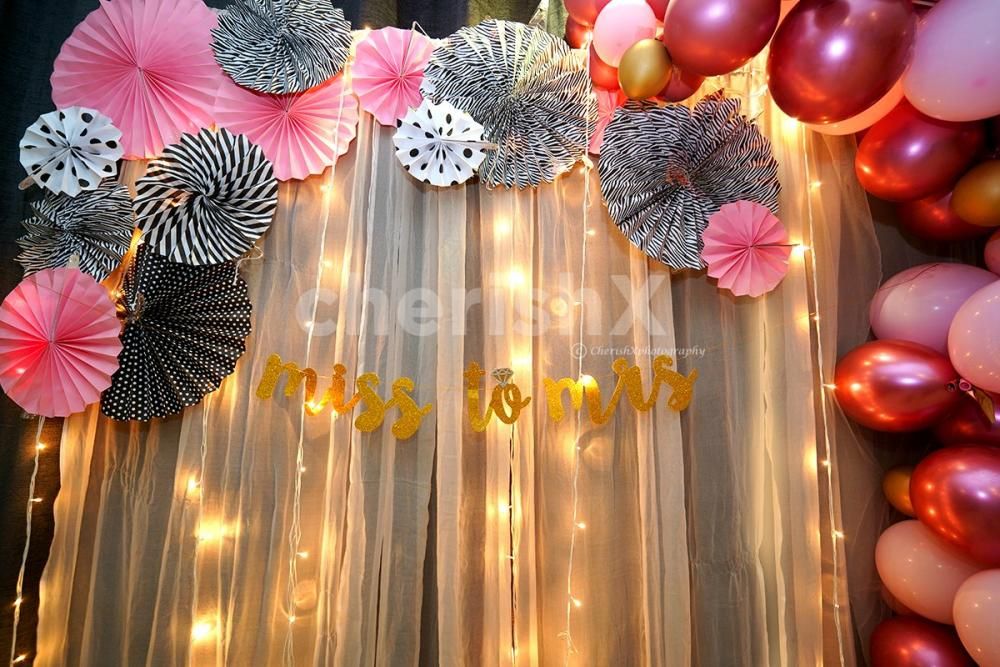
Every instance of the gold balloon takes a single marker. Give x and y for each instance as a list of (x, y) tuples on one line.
[(977, 196), (896, 487), (645, 69)]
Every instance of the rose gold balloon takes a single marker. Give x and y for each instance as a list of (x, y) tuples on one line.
[(956, 493), (711, 37), (977, 195), (894, 385), (645, 69), (896, 487), (602, 74), (969, 425), (931, 218), (832, 59), (577, 34), (908, 155), (907, 641), (682, 86)]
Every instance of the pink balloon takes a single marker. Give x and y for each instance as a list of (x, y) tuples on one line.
[(977, 615), (921, 570), (954, 73), (931, 218), (832, 59), (974, 339), (918, 304), (969, 425), (585, 11), (711, 37), (914, 642), (866, 118), (992, 253), (621, 24)]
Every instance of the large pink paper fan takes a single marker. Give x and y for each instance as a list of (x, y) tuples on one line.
[(146, 64), (59, 342), (388, 71), (746, 248), (301, 133)]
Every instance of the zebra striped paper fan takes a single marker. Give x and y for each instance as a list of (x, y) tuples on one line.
[(530, 92), (665, 170), (95, 226), (185, 329), (282, 46), (207, 199)]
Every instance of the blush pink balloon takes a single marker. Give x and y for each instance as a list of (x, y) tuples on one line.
[(969, 425), (585, 11), (866, 118), (712, 37), (908, 155), (682, 86), (621, 24), (914, 642), (931, 218), (954, 74), (974, 339), (992, 253), (832, 59), (956, 493), (976, 611), (918, 304), (921, 570)]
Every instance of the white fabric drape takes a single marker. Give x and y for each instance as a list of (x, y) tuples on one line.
[(245, 532)]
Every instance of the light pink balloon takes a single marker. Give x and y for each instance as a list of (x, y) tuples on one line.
[(974, 339), (977, 617), (621, 24), (992, 253), (921, 570), (955, 71), (866, 118), (919, 304)]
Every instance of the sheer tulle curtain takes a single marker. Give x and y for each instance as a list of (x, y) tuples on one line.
[(246, 532)]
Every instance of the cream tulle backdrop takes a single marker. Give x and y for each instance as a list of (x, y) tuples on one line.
[(248, 533)]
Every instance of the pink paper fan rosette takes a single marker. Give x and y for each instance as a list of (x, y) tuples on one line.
[(608, 102), (147, 65), (58, 342), (388, 71), (746, 249), (301, 133)]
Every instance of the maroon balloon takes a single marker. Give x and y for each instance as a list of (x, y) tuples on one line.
[(895, 385), (659, 7), (711, 37), (832, 59), (577, 34), (602, 74), (681, 86), (585, 11), (968, 425), (931, 218), (908, 155), (908, 641), (956, 493)]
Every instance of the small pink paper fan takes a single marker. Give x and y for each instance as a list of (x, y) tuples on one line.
[(147, 65), (608, 102), (58, 342), (388, 71), (301, 133), (746, 249)]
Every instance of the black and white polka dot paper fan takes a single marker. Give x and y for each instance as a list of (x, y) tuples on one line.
[(71, 150), (207, 199), (95, 227), (665, 170), (530, 92), (185, 327), (439, 144), (281, 46)]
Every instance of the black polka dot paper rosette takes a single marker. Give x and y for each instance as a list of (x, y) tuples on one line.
[(184, 329), (281, 46), (71, 150), (439, 144), (208, 199), (94, 229), (530, 92), (665, 170)]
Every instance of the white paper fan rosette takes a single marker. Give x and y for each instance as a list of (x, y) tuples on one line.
[(439, 144), (281, 46), (207, 199), (71, 150)]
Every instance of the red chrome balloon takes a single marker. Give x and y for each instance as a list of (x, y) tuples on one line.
[(602, 74), (895, 385), (577, 34), (909, 641), (832, 59), (908, 155), (585, 11), (681, 86), (711, 37), (968, 425), (931, 218), (956, 493)]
